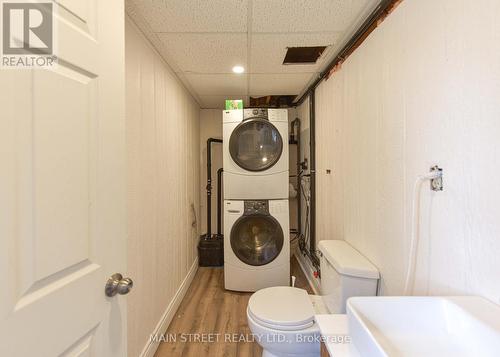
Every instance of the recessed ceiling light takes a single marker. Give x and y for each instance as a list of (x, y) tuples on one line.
[(238, 69)]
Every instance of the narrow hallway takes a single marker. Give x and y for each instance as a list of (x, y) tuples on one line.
[(212, 321)]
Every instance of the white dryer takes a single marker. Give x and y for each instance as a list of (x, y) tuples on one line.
[(256, 244), (255, 153)]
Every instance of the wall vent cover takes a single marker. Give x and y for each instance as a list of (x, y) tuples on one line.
[(303, 55)]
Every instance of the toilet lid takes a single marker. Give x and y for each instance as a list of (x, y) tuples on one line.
[(282, 307)]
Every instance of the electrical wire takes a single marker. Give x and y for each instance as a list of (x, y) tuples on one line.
[(305, 237)]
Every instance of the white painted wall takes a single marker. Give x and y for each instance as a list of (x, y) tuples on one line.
[(163, 185), (423, 89)]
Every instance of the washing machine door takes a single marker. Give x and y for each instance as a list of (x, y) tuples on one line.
[(255, 144), (257, 239)]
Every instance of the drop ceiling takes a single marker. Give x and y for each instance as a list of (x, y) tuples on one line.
[(202, 40)]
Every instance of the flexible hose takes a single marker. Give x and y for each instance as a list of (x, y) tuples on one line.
[(415, 228)]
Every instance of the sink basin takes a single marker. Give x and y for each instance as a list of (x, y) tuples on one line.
[(424, 326)]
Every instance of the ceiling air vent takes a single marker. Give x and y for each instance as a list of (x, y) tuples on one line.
[(303, 55)]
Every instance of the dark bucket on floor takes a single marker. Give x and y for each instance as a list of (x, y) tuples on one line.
[(211, 251)]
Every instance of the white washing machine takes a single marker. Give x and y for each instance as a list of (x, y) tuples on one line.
[(255, 159), (256, 244)]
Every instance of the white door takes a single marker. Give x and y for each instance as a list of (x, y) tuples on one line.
[(62, 192)]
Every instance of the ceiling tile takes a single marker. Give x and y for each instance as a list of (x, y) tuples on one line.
[(305, 15), (218, 84), (268, 51), (267, 84), (194, 15), (218, 101), (202, 40), (205, 53)]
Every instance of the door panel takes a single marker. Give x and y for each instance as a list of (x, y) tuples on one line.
[(81, 348), (63, 192), (79, 13), (62, 169)]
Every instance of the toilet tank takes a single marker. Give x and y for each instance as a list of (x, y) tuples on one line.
[(344, 273)]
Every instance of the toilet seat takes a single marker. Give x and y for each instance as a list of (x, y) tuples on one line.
[(282, 308)]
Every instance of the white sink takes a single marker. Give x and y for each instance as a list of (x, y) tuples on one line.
[(424, 326)]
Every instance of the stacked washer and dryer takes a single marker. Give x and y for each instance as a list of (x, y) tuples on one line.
[(256, 221)]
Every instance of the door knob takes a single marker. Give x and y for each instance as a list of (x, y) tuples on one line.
[(117, 284)]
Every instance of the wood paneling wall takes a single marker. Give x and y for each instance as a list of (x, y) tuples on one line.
[(421, 90), (163, 187)]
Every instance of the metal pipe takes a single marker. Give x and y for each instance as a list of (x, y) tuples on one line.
[(382, 9), (219, 199), (296, 123), (209, 185), (312, 187)]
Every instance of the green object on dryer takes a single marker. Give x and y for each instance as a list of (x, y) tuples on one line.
[(234, 104)]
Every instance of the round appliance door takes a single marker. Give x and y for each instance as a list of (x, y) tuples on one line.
[(257, 239), (255, 145)]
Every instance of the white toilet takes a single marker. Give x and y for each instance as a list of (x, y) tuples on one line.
[(281, 318)]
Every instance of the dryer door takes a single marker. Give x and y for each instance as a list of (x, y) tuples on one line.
[(257, 239), (255, 145)]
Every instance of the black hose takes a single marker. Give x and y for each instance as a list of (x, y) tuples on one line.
[(209, 185), (219, 200), (312, 182), (296, 123)]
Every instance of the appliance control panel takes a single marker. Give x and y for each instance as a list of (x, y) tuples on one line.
[(257, 207), (255, 112)]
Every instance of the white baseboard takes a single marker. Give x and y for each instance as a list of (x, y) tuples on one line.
[(308, 270), (151, 346)]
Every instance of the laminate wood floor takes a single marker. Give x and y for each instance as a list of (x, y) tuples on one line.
[(211, 321)]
